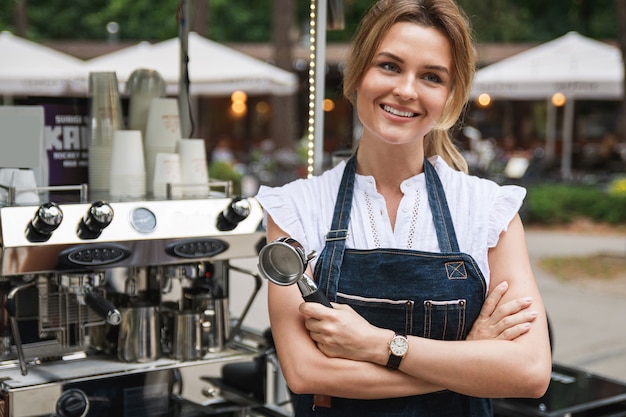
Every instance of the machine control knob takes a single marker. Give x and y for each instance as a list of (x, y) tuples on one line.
[(97, 218), (46, 220), (233, 214), (72, 403)]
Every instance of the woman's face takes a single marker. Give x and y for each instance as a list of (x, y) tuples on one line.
[(403, 92)]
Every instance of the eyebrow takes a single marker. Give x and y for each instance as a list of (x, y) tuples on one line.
[(397, 58)]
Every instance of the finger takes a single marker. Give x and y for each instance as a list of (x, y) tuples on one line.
[(514, 320), (313, 310), (344, 307), (493, 299), (512, 307), (317, 337), (514, 332)]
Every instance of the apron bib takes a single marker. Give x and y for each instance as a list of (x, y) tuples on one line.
[(433, 295)]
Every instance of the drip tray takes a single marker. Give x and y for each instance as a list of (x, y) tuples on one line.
[(96, 368), (572, 392)]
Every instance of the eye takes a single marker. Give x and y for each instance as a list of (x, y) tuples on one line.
[(390, 66), (433, 78)]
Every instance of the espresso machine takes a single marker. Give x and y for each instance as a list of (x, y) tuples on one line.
[(121, 308)]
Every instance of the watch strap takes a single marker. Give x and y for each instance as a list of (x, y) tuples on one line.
[(394, 361)]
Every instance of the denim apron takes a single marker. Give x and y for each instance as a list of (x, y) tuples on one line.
[(433, 295)]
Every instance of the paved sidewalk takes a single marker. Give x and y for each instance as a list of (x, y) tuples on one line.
[(588, 323)]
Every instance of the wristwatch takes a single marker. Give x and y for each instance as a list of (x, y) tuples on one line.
[(398, 346)]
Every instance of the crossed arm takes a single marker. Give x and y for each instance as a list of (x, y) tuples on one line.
[(337, 352)]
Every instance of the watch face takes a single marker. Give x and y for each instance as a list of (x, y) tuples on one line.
[(399, 345)]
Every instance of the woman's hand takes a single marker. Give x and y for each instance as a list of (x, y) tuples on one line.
[(506, 322), (340, 332)]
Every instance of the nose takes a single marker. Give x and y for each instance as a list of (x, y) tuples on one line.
[(406, 88)]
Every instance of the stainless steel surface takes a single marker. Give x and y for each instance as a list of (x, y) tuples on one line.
[(283, 261), (306, 285), (139, 338), (188, 343), (37, 393), (131, 287), (144, 233)]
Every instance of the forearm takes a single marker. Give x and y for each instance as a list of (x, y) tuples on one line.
[(482, 368), (486, 368), (348, 379)]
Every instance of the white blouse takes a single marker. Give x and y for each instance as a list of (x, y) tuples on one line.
[(481, 210)]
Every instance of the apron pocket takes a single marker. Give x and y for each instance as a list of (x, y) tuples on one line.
[(444, 320), (396, 315)]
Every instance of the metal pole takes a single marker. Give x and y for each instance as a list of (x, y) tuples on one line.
[(317, 76), (568, 130), (320, 84), (550, 131), (183, 81)]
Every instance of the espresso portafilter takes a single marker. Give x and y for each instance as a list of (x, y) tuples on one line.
[(284, 262)]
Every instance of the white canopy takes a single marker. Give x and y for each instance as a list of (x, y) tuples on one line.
[(214, 69), (577, 66), (574, 65), (29, 68)]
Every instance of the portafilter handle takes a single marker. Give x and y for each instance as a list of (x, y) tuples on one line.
[(284, 262), (310, 291)]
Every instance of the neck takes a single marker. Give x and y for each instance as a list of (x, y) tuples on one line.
[(390, 164)]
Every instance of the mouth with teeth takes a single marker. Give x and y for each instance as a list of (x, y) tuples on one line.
[(398, 113)]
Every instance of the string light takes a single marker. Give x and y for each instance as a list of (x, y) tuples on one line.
[(312, 92)]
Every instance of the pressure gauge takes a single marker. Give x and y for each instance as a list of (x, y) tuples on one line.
[(143, 220)]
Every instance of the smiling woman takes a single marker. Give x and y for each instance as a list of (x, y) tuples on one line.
[(410, 89), (435, 306)]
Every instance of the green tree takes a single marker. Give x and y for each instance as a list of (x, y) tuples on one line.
[(539, 20), (71, 19), (240, 20), (250, 21)]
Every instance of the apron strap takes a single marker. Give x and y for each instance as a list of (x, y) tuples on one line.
[(329, 266), (446, 235)]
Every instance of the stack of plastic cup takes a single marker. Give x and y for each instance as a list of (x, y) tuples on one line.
[(167, 171), (105, 118), (143, 86), (128, 170), (193, 167), (162, 133)]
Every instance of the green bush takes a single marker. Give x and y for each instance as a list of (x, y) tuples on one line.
[(563, 203), (224, 171)]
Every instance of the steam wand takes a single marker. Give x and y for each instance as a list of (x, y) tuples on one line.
[(12, 310)]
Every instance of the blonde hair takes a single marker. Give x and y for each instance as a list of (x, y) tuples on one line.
[(443, 15)]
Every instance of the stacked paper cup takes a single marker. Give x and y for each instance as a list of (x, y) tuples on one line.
[(193, 167), (105, 119), (167, 172), (128, 170), (162, 133), (24, 183)]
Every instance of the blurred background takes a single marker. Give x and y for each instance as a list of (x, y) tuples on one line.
[(262, 136)]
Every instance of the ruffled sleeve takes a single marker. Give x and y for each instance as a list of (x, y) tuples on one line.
[(277, 203), (506, 204), (303, 208)]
